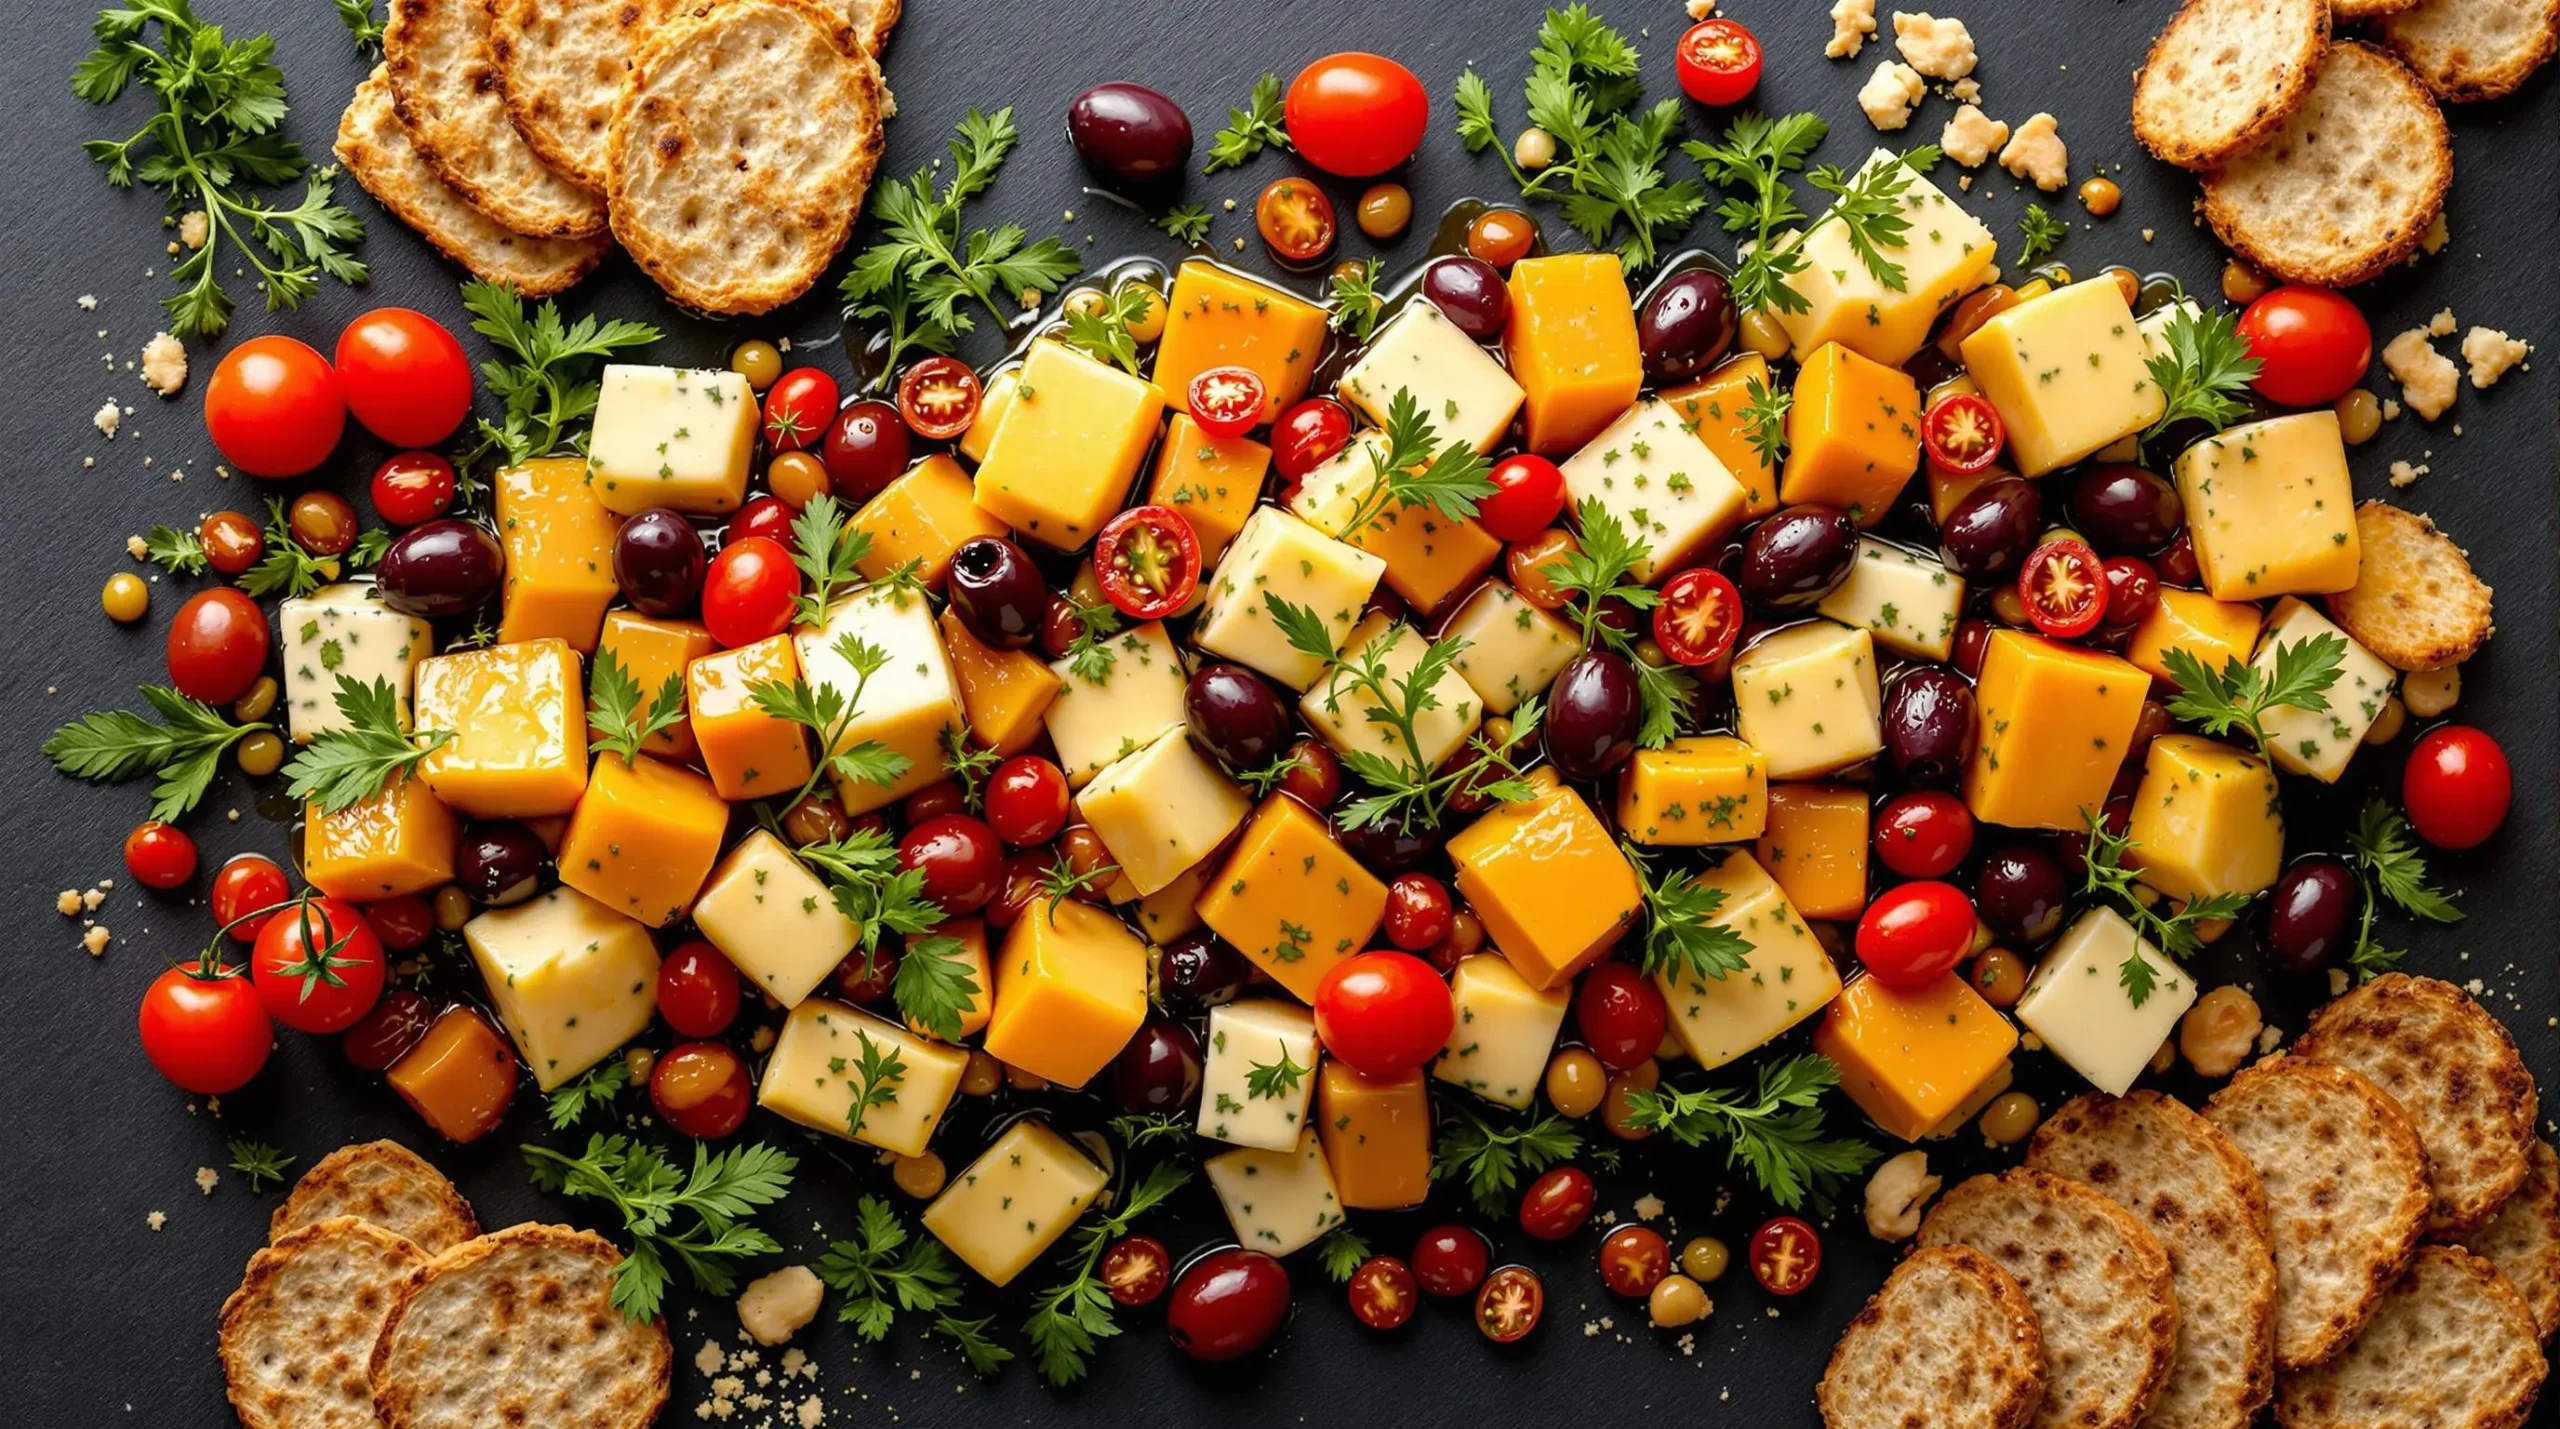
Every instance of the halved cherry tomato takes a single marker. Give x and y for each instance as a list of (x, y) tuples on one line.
[(1915, 932), (207, 1032), (1785, 1253), (1383, 1295), (244, 886), (1296, 221), (159, 855), (1383, 1014), (412, 487), (318, 965), (1719, 62), (1509, 1304), (1528, 495), (1309, 434), (1356, 114), (2064, 588), (2457, 786), (274, 408), (1700, 614), (1963, 433), (798, 409), (2311, 345), (748, 594), (1135, 1270), (938, 398), (1147, 560), (1226, 401), (404, 376)]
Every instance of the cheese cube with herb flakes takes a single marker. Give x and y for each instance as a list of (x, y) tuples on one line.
[(918, 520), (1377, 1136), (963, 941), (2320, 742), (2068, 373), (1815, 845), (992, 405), (1338, 708), (1071, 443), (2216, 632), (907, 705), (1853, 434), (1172, 910), (2205, 820), (649, 650), (1786, 976), (1717, 407), (1513, 649), (1944, 254), (815, 1078), (1218, 318), (2080, 1005), (1910, 1056), (518, 714), (1213, 481), (558, 539), (2052, 723), (748, 753), (1006, 694), (1278, 1201), (1666, 489), (680, 437), (1071, 989), (1430, 557), (1806, 696), (1703, 789), (1553, 888), (1162, 810), (1278, 556), (644, 838), (766, 912), (345, 629), (1909, 602), (1259, 1074), (1505, 1031), (1114, 700), (1571, 340), (1011, 1204), (1291, 898), (2270, 510), (1460, 389), (399, 841), (572, 979)]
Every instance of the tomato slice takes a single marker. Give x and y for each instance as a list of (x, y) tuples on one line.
[(1719, 62), (2064, 588), (1700, 614), (1963, 433), (1147, 560), (1509, 1303), (1785, 1253), (1135, 1270), (1296, 220), (1226, 401), (938, 398)]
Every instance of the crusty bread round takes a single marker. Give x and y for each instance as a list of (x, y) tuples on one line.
[(2453, 1347), (298, 1333), (872, 21), (2344, 188), (444, 83), (2523, 1241), (2469, 50), (2098, 1280), (519, 1328), (2222, 74), (385, 1183), (741, 151), (2454, 1070), (2415, 602), (1949, 1342), (2367, 9), (2191, 1187), (560, 65)]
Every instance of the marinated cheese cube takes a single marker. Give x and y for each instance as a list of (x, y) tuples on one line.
[(672, 436), (1338, 708), (1015, 1200), (748, 753), (1703, 789), (1815, 846), (1505, 1031), (2205, 820), (558, 540), (1005, 694), (908, 703), (1786, 977), (919, 519), (1213, 481), (1571, 338), (1513, 649), (644, 838), (992, 405), (572, 979), (1945, 254), (649, 650), (814, 1077), (1071, 442), (1259, 1073), (1910, 1056), (2216, 632), (1278, 556), (1278, 1201), (2078, 1006), (1853, 434), (2052, 723), (1458, 386), (2067, 372), (2269, 508), (1071, 989), (971, 952), (399, 841), (1807, 697), (518, 715), (460, 1076), (1909, 602), (1430, 557), (767, 913), (2320, 742), (345, 630), (1163, 810), (1291, 898), (1713, 406), (1667, 490), (1552, 887), (1217, 318), (1376, 1133), (1172, 911), (1139, 696)]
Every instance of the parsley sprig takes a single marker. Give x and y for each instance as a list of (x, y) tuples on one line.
[(1491, 1158), (2177, 932), (288, 570), (829, 554), (263, 1165), (886, 1270), (1341, 1253), (341, 768), (719, 1195), (1764, 419), (1107, 330), (593, 1091), (1753, 160), (1681, 936), (970, 764), (180, 553), (2389, 865), (184, 752), (620, 718), (2204, 371), (1415, 469), (1089, 654), (2038, 234), (1271, 1081), (1251, 129), (2240, 696), (1774, 1133), (1068, 1319), (828, 712), (935, 983), (1355, 299), (1597, 577), (552, 383), (876, 1074), (1186, 222)]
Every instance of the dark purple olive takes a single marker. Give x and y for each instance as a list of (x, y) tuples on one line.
[(1469, 292), (1128, 134), (1235, 716), (2311, 919), (1200, 970), (500, 862), (658, 561), (1686, 325), (445, 567), (1593, 709), (1992, 528), (2126, 511), (1159, 1071), (2021, 894), (1390, 845), (1798, 556), (1928, 725), (997, 592)]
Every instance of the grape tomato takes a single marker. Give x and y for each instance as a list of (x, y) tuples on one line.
[(939, 397)]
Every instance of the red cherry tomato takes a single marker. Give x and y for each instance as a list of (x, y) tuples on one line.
[(159, 855), (939, 397), (1962, 432), (2457, 786), (766, 516), (1785, 1253), (748, 594), (1356, 114), (1383, 1014), (1915, 932), (207, 1034), (1923, 833), (245, 886), (798, 409), (1226, 401), (218, 645), (273, 407), (1558, 1203), (2133, 592), (1227, 1305), (232, 542), (2311, 345), (405, 377), (2064, 588), (1382, 1293), (1027, 800), (1633, 1259), (1296, 221), (403, 924), (701, 1089), (413, 487), (962, 859), (1509, 1304), (1719, 62), (383, 1036), (1315, 776), (866, 449), (1450, 1261), (698, 990), (1147, 560), (1419, 911), (1621, 1015), (1136, 1269), (1699, 617), (318, 966), (1310, 433), (1528, 495)]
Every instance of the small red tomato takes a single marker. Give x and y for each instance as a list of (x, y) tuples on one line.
[(412, 487), (1296, 221), (1227, 1305), (939, 397), (2177, 565), (1915, 932), (159, 855), (1528, 495), (749, 592), (1450, 1261), (1699, 617), (273, 407), (206, 1033), (1309, 434), (1027, 800), (1356, 114), (1226, 401), (1785, 1253), (318, 966), (217, 645), (1621, 1015), (766, 516), (866, 449), (933, 801), (1136, 1269), (1633, 1259), (962, 859), (1315, 776), (2457, 786), (1147, 560), (798, 409), (1719, 62), (1383, 1014), (1023, 871), (1419, 911), (1382, 1293), (1923, 833), (1558, 1203), (2133, 592), (701, 1089), (383, 1036), (1962, 432), (2310, 343), (1509, 1304), (403, 924), (698, 990), (405, 377), (2064, 588), (246, 886), (232, 542)]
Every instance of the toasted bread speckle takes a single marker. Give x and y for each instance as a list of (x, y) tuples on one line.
[(2223, 74), (444, 85), (385, 1183), (298, 1333), (2415, 602)]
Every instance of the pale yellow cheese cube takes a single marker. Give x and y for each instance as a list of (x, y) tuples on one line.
[(1785, 978), (1807, 696), (1249, 1093), (1014, 1201), (1337, 709), (2078, 1005), (1137, 697), (1667, 489), (1513, 649), (814, 1076), (1278, 1201), (1505, 1031), (1280, 556), (572, 979), (2270, 508), (2320, 742), (1946, 254), (1162, 810), (908, 703), (2205, 820), (767, 913), (1459, 388), (1909, 602), (682, 437), (2068, 372)]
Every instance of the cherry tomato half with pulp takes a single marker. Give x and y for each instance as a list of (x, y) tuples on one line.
[(1147, 560), (1620, 1014), (1136, 1269), (1915, 932), (244, 887), (411, 488), (698, 990), (1785, 1253), (938, 397), (273, 407), (1309, 434), (1509, 1304), (1962, 432), (404, 376), (1558, 1203), (318, 965), (1383, 1014), (1296, 221), (701, 1089), (1528, 495), (1719, 62), (2457, 786), (2064, 587), (217, 645), (208, 1033), (798, 409), (1226, 401), (1382, 1293), (2311, 345), (748, 594), (159, 855), (1699, 617), (1356, 114)]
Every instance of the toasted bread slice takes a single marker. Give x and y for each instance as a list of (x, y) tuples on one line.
[(2454, 1070), (2223, 74), (385, 1183), (298, 1333), (2415, 602), (2194, 1190), (2467, 50), (2347, 186), (444, 82), (2367, 9), (741, 151), (1950, 1342), (872, 21), (519, 1327), (2098, 1280), (2453, 1347), (2523, 1241), (560, 64)]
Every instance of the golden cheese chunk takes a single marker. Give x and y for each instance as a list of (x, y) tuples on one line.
[(518, 714)]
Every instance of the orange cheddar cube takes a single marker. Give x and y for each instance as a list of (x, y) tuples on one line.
[(1291, 898), (459, 1078), (1072, 441), (1713, 406), (1003, 692), (1706, 789), (643, 838), (971, 935), (1572, 341), (1553, 889), (518, 715), (748, 753), (2052, 726), (974, 442), (649, 650), (1815, 845), (1430, 557), (920, 519), (1212, 481), (1853, 434), (2216, 632), (1910, 1056), (1377, 1136), (1070, 990), (1218, 318), (398, 842), (559, 543)]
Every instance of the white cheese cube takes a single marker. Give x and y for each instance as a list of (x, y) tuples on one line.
[(908, 703), (2320, 742), (2069, 373), (1807, 697), (1163, 810), (345, 629), (572, 979), (1669, 491), (2271, 508), (1278, 1201), (1139, 696), (767, 913), (1337, 709), (814, 1076), (1015, 1200), (671, 436), (1279, 555), (1946, 254), (1909, 602), (1505, 1031), (2154, 326), (1786, 978), (1514, 650), (1259, 1073), (2078, 1005), (1465, 394)]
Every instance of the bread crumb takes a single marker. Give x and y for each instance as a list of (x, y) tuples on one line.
[(1851, 22), (2036, 153), (88, 302), (107, 418), (813, 1410), (95, 940), (1890, 94), (194, 228), (2338, 981), (96, 896), (1972, 137), (157, 1219), (67, 903), (2428, 379), (2391, 409), (2436, 236), (1649, 1207), (708, 1359), (1940, 49), (2491, 355), (2403, 474), (164, 364), (207, 1178), (2442, 324)]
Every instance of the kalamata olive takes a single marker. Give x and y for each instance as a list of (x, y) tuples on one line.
[(1128, 134), (997, 592), (658, 561), (2020, 893), (1928, 725), (1686, 325), (500, 862), (1593, 709), (1227, 1305), (444, 567), (2124, 510), (1159, 1071), (1798, 556), (2311, 919), (1198, 971), (1470, 293), (1235, 716), (1992, 528), (1390, 845)]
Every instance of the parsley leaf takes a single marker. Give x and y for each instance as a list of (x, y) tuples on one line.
[(552, 385), (593, 1091), (1341, 1253), (1355, 299), (862, 875), (720, 1194), (1754, 157), (2388, 865), (1596, 578), (2206, 368), (180, 553), (1764, 421), (261, 1164), (1068, 1319), (621, 719), (287, 569), (1491, 1159), (1413, 468), (1186, 222), (1868, 206), (936, 985), (2039, 232), (2175, 933), (1089, 655), (969, 764), (1774, 1134), (2240, 696), (829, 713), (876, 1076), (1270, 1081), (341, 768), (886, 1269), (184, 752), (1250, 130), (1682, 936), (1106, 331), (829, 553), (366, 31)]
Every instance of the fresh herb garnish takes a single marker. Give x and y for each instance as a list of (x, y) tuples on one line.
[(362, 28), (968, 763), (827, 711), (1355, 299), (552, 385), (876, 1075), (1250, 130), (2389, 865), (180, 553), (2240, 696), (1140, 1128), (1341, 1253), (720, 1194), (594, 1091), (2038, 234), (1270, 1081), (1267, 778), (887, 1269), (1089, 655), (287, 570), (1774, 1134), (1068, 1319), (1764, 419), (185, 752), (1754, 158), (2204, 371), (2178, 933), (1414, 468), (935, 986), (861, 872), (341, 768), (1596, 579), (262, 1165), (1681, 937), (1186, 222), (1491, 1159), (829, 554), (1105, 331), (620, 719), (1060, 882)]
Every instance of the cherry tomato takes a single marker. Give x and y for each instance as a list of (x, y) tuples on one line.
[(798, 409), (1501, 236), (1558, 1203), (749, 592), (1296, 221), (1923, 833), (383, 1036), (938, 397), (1027, 800), (1226, 401), (698, 990), (206, 1033), (1509, 1303), (1621, 1015), (1915, 932), (1356, 114), (766, 516), (1308, 435), (866, 449), (1528, 495), (1315, 776), (405, 377), (1699, 617), (1962, 433), (1227, 1305), (962, 859), (2133, 592), (159, 855), (273, 407), (217, 645), (2457, 786), (701, 1089), (1719, 62), (318, 966), (403, 924), (232, 542), (1450, 1261), (412, 487), (1419, 911), (243, 887), (1384, 1013), (1633, 1259), (1382, 1293), (2311, 345), (1136, 1269), (2064, 588), (1532, 564), (1147, 560), (1785, 1253)]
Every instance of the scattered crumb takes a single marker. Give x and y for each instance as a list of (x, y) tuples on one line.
[(1967, 90), (2428, 379), (194, 228), (88, 302), (95, 940), (774, 1307), (207, 1178), (164, 364), (1972, 137), (1939, 49), (762, 1040), (708, 1359), (2338, 982), (2491, 354), (2391, 409), (1648, 1207), (158, 1219), (67, 903), (2146, 235), (2442, 324), (108, 418), (2436, 235), (1890, 94), (1701, 9), (1851, 22), (2403, 474), (137, 548)]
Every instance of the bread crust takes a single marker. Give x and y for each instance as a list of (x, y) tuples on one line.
[(385, 1183), (2426, 35), (1895, 1364), (2453, 1347), (2416, 602), (2524, 1239), (297, 1337), (445, 88), (2222, 75), (551, 58)]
